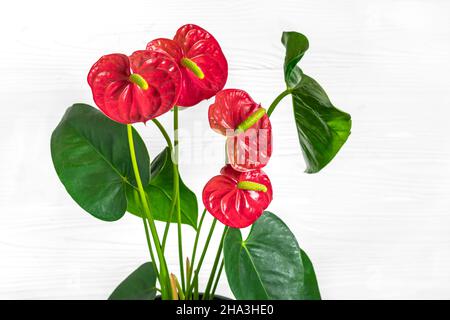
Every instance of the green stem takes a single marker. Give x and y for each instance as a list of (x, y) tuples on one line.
[(168, 223), (177, 188), (216, 263), (196, 290), (154, 233), (147, 236), (194, 250), (163, 132), (277, 100), (174, 191), (202, 257), (219, 273)]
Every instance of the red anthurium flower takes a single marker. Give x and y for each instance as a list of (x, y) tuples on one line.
[(237, 199), (248, 128), (203, 66), (136, 88)]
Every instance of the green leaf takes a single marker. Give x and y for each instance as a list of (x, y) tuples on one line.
[(160, 193), (322, 128), (91, 156), (296, 45), (269, 264), (310, 290), (139, 285)]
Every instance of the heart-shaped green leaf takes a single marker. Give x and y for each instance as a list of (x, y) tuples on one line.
[(139, 285), (322, 128), (160, 193), (91, 156), (269, 264)]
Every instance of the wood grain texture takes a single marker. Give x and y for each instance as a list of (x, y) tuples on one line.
[(375, 222)]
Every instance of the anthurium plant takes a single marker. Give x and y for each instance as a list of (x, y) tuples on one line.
[(105, 166)]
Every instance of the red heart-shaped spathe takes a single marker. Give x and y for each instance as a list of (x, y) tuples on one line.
[(247, 150), (199, 46), (234, 207), (125, 101)]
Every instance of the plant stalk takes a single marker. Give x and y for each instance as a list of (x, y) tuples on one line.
[(154, 233), (219, 273), (216, 263), (277, 100), (177, 188), (200, 262), (174, 191), (194, 249), (147, 237)]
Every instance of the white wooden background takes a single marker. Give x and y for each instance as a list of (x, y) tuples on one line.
[(376, 222)]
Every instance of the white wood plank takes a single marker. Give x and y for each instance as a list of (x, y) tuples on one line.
[(375, 222)]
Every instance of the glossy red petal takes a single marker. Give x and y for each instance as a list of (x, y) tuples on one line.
[(249, 150), (230, 108), (163, 77), (190, 92), (202, 48), (232, 206), (109, 73), (113, 64), (167, 46), (126, 102), (198, 45)]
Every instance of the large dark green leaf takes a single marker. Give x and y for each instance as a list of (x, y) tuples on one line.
[(139, 285), (322, 128), (269, 264), (91, 156), (160, 193)]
